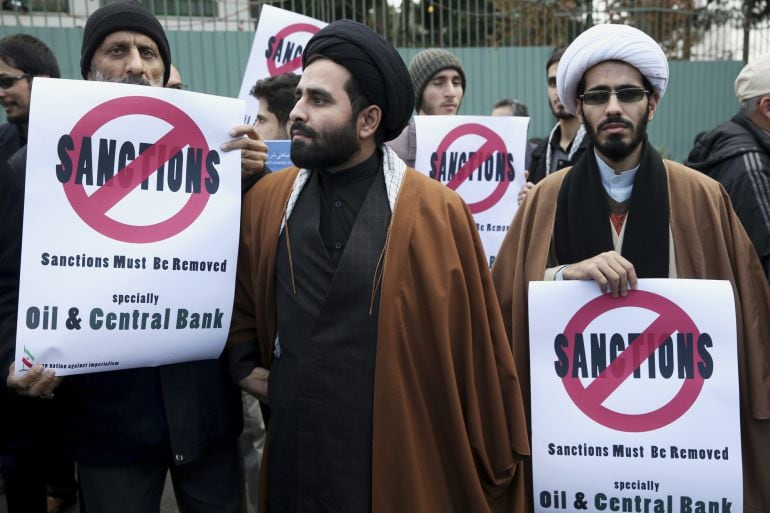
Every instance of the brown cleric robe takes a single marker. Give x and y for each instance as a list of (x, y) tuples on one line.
[(448, 432), (709, 243)]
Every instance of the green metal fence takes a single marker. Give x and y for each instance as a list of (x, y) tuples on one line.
[(687, 29), (699, 96)]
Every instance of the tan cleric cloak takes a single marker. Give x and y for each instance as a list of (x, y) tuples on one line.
[(709, 243), (449, 431)]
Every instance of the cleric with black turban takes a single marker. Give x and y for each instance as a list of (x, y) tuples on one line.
[(363, 297), (374, 63)]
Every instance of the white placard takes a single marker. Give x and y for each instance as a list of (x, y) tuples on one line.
[(277, 49), (635, 400), (482, 159), (131, 217)]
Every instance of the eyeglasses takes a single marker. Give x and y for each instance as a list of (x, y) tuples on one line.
[(625, 95), (7, 81)]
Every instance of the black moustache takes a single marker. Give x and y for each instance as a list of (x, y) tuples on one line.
[(305, 130), (614, 121)]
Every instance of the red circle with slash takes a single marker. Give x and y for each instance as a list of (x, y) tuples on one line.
[(295, 63), (93, 209), (493, 143), (671, 318)]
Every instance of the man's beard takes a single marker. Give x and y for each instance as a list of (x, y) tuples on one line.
[(614, 148), (330, 149), (560, 114), (128, 79)]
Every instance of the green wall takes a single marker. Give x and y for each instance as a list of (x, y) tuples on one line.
[(700, 94)]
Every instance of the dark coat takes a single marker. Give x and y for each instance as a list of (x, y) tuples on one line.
[(737, 155), (21, 415), (537, 169), (114, 418)]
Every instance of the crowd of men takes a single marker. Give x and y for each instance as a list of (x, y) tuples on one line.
[(391, 365)]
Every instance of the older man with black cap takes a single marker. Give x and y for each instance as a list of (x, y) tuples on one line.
[(622, 213), (362, 286), (128, 429), (737, 154)]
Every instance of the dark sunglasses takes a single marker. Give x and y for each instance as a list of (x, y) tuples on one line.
[(7, 81), (625, 95)]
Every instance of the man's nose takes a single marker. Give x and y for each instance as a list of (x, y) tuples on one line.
[(134, 63)]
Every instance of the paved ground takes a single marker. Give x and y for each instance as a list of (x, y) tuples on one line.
[(168, 503)]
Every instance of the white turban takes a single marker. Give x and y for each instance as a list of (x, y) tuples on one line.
[(609, 42)]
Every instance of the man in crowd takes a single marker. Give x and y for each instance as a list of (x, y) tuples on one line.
[(439, 84), (128, 428), (623, 213), (175, 79), (511, 107), (737, 154), (391, 384), (22, 57), (565, 143), (276, 99), (30, 452)]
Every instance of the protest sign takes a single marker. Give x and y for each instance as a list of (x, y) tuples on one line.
[(635, 399), (277, 48), (482, 159), (131, 216), (278, 154)]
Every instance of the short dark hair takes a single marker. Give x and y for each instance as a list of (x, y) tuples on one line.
[(29, 55), (555, 57), (279, 92), (517, 108), (359, 102)]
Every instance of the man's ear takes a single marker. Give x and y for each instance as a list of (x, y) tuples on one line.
[(652, 105), (764, 106), (369, 120)]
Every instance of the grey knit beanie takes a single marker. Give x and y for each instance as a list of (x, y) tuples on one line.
[(122, 15), (427, 63)]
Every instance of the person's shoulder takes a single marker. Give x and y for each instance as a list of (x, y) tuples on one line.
[(553, 180), (7, 129), (681, 177), (9, 135), (271, 185), (428, 189)]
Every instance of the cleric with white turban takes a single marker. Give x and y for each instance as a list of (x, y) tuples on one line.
[(609, 42)]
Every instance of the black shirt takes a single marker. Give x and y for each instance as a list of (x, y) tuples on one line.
[(342, 194)]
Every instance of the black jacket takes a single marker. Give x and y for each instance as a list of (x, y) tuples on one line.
[(128, 416), (737, 154), (23, 419), (537, 165)]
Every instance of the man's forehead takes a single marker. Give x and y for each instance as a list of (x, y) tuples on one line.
[(324, 74), (450, 73), (612, 72), (129, 37), (264, 105)]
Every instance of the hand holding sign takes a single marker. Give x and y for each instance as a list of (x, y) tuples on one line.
[(612, 272), (37, 382), (252, 146)]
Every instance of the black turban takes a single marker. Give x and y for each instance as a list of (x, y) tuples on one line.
[(374, 63)]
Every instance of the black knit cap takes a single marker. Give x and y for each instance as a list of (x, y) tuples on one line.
[(122, 15)]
